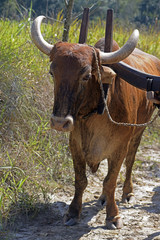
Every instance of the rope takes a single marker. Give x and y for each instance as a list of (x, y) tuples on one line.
[(106, 106)]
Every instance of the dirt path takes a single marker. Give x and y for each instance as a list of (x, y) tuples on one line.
[(141, 220)]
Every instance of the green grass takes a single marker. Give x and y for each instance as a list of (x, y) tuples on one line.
[(34, 160)]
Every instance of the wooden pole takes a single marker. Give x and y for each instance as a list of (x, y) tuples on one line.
[(84, 26), (109, 31)]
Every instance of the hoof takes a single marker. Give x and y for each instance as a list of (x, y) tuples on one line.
[(102, 200), (130, 198), (114, 223), (70, 221)]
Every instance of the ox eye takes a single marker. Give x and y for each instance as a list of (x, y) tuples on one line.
[(87, 77)]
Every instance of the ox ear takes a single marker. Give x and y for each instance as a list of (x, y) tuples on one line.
[(107, 75)]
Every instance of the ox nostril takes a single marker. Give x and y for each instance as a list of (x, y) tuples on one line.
[(66, 125)]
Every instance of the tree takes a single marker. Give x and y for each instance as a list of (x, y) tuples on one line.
[(139, 11), (67, 23), (149, 11), (8, 8)]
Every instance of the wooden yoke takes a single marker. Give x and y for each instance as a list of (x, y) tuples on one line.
[(152, 95)]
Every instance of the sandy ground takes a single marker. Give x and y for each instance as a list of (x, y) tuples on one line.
[(141, 220)]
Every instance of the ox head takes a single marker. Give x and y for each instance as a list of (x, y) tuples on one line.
[(74, 67)]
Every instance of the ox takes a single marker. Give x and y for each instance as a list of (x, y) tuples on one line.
[(77, 71)]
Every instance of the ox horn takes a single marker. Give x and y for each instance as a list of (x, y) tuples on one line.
[(37, 37), (122, 53)]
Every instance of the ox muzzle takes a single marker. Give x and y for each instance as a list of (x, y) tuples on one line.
[(63, 124)]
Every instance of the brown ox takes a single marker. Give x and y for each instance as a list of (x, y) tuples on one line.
[(76, 69)]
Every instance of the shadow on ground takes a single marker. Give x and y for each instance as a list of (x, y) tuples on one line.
[(47, 222), (153, 236), (154, 207)]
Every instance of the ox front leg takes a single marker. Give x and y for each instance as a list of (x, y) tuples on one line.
[(74, 211), (113, 220)]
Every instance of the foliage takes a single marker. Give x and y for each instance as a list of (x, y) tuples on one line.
[(149, 12), (138, 11)]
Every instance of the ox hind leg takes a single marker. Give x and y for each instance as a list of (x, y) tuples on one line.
[(74, 211), (128, 195)]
